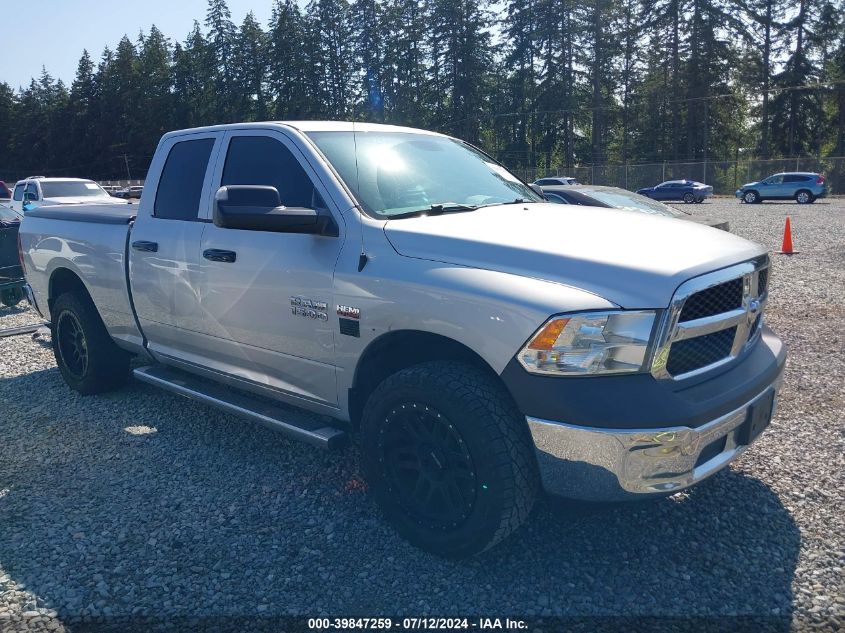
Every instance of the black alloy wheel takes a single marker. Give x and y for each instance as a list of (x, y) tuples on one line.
[(72, 344), (448, 457), (87, 357), (428, 466)]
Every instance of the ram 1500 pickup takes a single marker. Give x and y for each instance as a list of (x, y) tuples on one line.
[(330, 279)]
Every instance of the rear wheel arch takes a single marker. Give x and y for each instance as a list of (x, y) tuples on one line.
[(64, 280), (397, 350)]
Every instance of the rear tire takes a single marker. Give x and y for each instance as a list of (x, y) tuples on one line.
[(689, 198), (803, 197), (448, 457), (87, 357), (751, 197)]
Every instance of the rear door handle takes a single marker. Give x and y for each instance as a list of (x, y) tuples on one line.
[(217, 255), (141, 245)]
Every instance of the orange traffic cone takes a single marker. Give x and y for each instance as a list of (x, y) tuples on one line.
[(786, 249)]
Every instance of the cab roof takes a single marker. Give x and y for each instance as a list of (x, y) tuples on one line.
[(308, 126)]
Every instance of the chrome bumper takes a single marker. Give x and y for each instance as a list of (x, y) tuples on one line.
[(617, 464)]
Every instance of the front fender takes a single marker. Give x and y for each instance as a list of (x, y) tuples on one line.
[(492, 313)]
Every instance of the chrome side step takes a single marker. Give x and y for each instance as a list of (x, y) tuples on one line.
[(295, 423)]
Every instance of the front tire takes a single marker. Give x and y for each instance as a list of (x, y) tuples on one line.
[(751, 197), (803, 197), (689, 198), (87, 357), (448, 457)]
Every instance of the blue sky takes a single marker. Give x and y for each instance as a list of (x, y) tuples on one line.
[(52, 33)]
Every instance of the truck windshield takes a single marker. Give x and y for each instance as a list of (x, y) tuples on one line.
[(71, 188), (399, 173)]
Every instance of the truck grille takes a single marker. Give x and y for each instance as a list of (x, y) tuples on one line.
[(715, 300), (712, 319), (695, 353)]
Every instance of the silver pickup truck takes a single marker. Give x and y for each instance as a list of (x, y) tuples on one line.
[(330, 279)]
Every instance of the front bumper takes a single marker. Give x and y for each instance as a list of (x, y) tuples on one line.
[(606, 465), (628, 437)]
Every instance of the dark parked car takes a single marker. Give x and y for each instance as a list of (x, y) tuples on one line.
[(11, 273), (687, 190), (616, 198), (802, 186), (5, 192), (556, 180)]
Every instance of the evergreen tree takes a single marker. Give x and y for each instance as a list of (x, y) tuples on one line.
[(250, 62), (220, 45), (405, 77), (462, 56), (796, 112), (153, 109), (367, 22), (287, 61)]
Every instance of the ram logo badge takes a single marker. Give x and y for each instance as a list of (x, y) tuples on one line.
[(309, 308)]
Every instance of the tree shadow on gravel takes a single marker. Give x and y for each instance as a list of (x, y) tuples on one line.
[(138, 503)]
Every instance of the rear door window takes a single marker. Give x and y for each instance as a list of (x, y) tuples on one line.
[(180, 186)]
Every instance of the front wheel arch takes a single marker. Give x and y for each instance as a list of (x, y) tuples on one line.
[(398, 349)]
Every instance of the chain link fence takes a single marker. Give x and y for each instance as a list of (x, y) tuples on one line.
[(724, 176)]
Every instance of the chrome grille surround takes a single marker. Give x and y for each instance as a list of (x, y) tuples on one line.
[(744, 319)]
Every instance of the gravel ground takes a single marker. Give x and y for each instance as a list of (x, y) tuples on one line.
[(139, 503)]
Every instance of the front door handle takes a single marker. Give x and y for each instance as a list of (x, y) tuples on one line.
[(149, 247), (217, 255)]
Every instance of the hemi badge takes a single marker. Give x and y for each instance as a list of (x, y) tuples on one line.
[(348, 312)]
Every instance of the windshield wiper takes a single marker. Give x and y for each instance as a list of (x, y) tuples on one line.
[(517, 201), (435, 209)]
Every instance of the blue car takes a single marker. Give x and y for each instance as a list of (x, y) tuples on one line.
[(687, 190), (802, 186)]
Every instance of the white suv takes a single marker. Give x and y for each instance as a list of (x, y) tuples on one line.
[(52, 191)]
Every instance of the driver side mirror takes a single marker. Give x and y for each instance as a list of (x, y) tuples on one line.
[(259, 208)]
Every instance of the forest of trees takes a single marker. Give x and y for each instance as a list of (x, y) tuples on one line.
[(538, 83)]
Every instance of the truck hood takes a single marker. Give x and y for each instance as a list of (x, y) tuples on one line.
[(634, 260)]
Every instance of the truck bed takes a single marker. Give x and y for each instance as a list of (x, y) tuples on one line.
[(91, 242)]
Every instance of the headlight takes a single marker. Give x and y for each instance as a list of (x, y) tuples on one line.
[(590, 343)]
